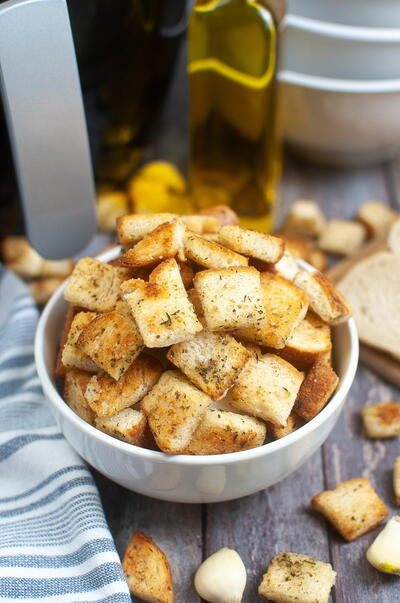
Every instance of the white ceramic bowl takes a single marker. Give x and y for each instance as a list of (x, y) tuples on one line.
[(364, 13), (189, 478), (341, 122), (340, 51)]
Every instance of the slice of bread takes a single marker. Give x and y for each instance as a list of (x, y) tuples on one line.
[(325, 299), (165, 241), (342, 237), (93, 285), (254, 244), (316, 389), (210, 254), (128, 425), (372, 288), (381, 420), (309, 341), (72, 355), (133, 227), (75, 385), (305, 219)]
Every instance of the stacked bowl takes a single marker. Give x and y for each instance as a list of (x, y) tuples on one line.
[(340, 80)]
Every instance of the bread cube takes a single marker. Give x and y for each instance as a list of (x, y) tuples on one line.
[(72, 355), (93, 285), (174, 409), (325, 299), (315, 391), (147, 570), (231, 298), (381, 420), (285, 307), (74, 393), (298, 247), (342, 237), (305, 219), (161, 307), (221, 432), (353, 508), (133, 227), (106, 396), (287, 266), (212, 361), (276, 431), (43, 288), (200, 224), (267, 388), (376, 217), (252, 243), (165, 241), (128, 425), (310, 341), (112, 341), (296, 578), (60, 370), (223, 213), (210, 254), (21, 258)]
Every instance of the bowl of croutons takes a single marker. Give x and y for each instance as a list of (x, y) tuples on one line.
[(198, 361)]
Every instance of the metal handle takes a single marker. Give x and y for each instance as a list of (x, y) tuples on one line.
[(42, 98)]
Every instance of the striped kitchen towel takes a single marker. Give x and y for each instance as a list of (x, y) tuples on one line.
[(55, 544)]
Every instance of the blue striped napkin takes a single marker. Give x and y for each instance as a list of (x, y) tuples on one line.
[(55, 544)]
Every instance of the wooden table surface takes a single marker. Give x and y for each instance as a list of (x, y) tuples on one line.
[(278, 519)]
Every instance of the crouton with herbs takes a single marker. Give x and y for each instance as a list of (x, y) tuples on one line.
[(165, 241), (210, 254), (250, 243), (381, 420), (93, 285), (128, 425), (72, 355), (75, 385)]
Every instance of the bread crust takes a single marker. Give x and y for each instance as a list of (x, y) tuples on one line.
[(315, 391)]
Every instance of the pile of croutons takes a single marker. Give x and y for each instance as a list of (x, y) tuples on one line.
[(202, 337)]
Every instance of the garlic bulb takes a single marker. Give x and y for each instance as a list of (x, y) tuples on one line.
[(384, 552)]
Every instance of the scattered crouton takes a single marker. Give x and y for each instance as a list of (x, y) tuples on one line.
[(276, 431), (342, 237), (112, 341), (161, 307), (325, 299), (376, 217), (147, 570), (21, 258), (106, 396), (74, 393), (231, 298), (42, 289), (223, 213), (381, 420), (221, 432), (310, 340), (109, 206), (285, 307), (72, 356), (354, 507), (255, 244), (305, 219), (396, 480), (296, 578), (210, 254), (165, 241), (287, 266), (200, 224), (212, 361), (315, 391), (128, 425), (174, 409), (133, 227), (93, 285), (267, 388)]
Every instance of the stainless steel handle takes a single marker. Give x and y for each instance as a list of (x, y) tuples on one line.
[(46, 122)]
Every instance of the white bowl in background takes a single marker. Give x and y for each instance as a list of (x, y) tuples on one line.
[(341, 122), (179, 478), (339, 51), (363, 13)]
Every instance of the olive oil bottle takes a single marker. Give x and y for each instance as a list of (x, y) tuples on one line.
[(234, 112)]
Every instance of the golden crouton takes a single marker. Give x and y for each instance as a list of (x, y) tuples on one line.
[(221, 432), (43, 288), (106, 396), (223, 213), (276, 431), (309, 341), (74, 393), (210, 254), (161, 307), (231, 298), (342, 237), (325, 299), (128, 425), (60, 370), (396, 479), (72, 356), (201, 224), (381, 420), (93, 285), (174, 409), (305, 219), (112, 341), (133, 227), (21, 258), (147, 570), (354, 507), (297, 247), (316, 389), (165, 241), (285, 307), (287, 266), (252, 243), (376, 217), (318, 259), (267, 388), (212, 361), (109, 206), (296, 578)]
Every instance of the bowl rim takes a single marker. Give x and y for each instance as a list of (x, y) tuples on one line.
[(317, 82), (62, 408), (355, 33)]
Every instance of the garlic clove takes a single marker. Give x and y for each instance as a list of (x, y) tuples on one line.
[(384, 552), (221, 578)]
